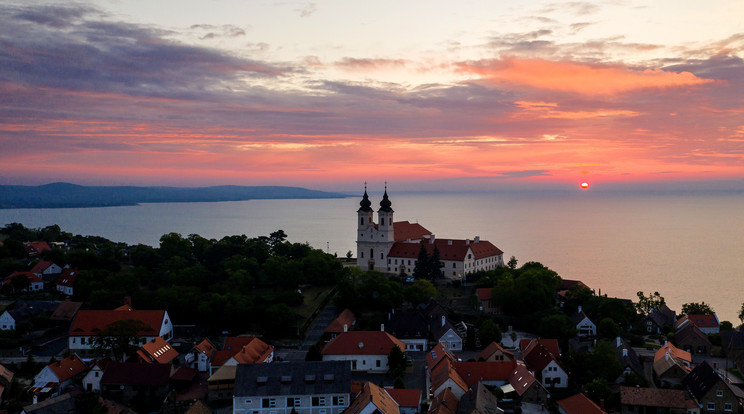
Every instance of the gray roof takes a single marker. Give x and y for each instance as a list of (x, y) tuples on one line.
[(293, 378), (27, 309)]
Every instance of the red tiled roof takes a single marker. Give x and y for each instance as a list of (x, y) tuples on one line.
[(251, 349), (371, 393), (579, 404), (437, 354), (67, 368), (90, 322), (157, 351), (521, 378), (133, 373), (550, 344), (704, 321), (490, 350), (444, 403), (537, 356), (32, 277), (67, 278), (37, 247), (652, 397), (346, 317), (404, 397), (409, 231), (41, 266), (362, 343), (484, 293), (184, 374), (206, 347), (673, 351), (444, 371), (454, 250), (474, 372)]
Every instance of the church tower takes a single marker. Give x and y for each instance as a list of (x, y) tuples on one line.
[(365, 233), (385, 216)]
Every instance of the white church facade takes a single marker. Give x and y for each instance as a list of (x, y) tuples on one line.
[(393, 247)]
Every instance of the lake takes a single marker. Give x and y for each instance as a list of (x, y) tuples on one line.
[(687, 246)]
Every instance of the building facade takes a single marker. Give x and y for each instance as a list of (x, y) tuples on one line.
[(393, 247)]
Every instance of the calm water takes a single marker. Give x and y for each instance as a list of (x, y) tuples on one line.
[(689, 247)]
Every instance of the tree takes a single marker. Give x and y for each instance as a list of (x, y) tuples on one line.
[(695, 308), (349, 254), (396, 362), (421, 269), (119, 338), (435, 265), (399, 384), (419, 292), (607, 329), (741, 313), (648, 303), (314, 354), (489, 332), (20, 282), (512, 263)]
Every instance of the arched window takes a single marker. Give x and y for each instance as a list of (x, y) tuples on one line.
[(361, 220), (371, 253), (382, 221)]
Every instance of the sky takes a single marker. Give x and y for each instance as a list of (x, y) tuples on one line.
[(426, 95)]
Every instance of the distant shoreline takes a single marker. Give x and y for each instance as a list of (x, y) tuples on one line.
[(65, 195)]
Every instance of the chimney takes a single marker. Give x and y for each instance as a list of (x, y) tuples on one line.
[(449, 242), (431, 239), (476, 239), (601, 404), (346, 328), (467, 242), (579, 308), (619, 342), (444, 318), (382, 327), (625, 352)]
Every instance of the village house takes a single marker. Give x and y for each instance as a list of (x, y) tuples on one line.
[(714, 393), (6, 376), (628, 358), (89, 323), (366, 350), (46, 270), (344, 322), (315, 387), (444, 377), (658, 319), (55, 377), (201, 356), (446, 402), (584, 326), (221, 384), (495, 352), (35, 248), (25, 310), (408, 400), (242, 350), (66, 281), (524, 387), (393, 247), (373, 400), (479, 400), (35, 283), (708, 324), (92, 380), (671, 365), (411, 327), (485, 301), (545, 365), (693, 340)]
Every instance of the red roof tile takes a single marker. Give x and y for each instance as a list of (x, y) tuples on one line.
[(404, 397), (653, 397), (36, 247), (446, 371), (362, 343), (537, 356), (157, 351), (550, 344), (673, 351), (474, 372), (67, 278), (409, 231), (206, 347), (704, 321), (579, 404), (32, 277), (371, 393), (521, 378), (444, 403), (68, 367), (245, 349), (450, 249), (90, 322), (346, 317), (437, 354), (492, 348), (41, 266)]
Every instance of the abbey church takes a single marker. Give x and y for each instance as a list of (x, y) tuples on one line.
[(391, 246)]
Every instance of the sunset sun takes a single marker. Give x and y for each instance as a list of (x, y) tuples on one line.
[(584, 186)]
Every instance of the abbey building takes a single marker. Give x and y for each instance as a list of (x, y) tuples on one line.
[(391, 246)]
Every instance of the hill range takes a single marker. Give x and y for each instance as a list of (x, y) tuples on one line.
[(66, 195)]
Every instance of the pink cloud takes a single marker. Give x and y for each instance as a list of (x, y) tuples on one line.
[(588, 79)]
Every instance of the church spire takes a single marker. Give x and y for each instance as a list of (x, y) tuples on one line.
[(385, 204), (365, 204)]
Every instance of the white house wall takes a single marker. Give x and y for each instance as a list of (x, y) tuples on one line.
[(255, 404), (364, 363), (7, 322)]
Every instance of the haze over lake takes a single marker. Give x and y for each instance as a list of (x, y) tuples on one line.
[(687, 246)]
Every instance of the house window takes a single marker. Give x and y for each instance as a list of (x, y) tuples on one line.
[(727, 407), (377, 363), (382, 255), (97, 374), (389, 261), (409, 262), (719, 393), (318, 401), (711, 406), (361, 255), (248, 401), (268, 403), (454, 265), (338, 400)]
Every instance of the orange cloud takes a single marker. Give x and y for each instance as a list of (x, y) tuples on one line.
[(548, 110), (583, 78)]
